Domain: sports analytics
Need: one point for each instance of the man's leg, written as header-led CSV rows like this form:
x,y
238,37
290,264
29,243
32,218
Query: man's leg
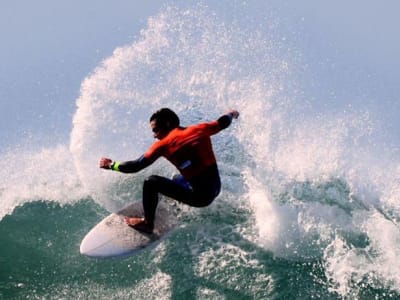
x,y
207,189
154,185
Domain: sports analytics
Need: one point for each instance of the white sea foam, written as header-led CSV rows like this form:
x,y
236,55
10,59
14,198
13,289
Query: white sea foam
x,y
156,287
30,175
236,269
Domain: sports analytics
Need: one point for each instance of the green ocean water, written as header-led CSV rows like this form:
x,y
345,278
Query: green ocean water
x,y
40,260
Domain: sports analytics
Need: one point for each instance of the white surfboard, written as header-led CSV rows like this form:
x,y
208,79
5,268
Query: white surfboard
x,y
113,237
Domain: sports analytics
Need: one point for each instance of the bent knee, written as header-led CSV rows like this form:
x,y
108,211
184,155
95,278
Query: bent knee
x,y
152,179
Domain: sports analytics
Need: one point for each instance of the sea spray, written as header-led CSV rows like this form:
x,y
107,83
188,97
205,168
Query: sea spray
x,y
187,60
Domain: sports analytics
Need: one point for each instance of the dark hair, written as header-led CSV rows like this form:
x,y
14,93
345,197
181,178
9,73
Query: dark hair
x,y
165,119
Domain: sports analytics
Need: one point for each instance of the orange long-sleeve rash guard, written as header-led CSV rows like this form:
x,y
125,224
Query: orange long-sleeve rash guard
x,y
189,149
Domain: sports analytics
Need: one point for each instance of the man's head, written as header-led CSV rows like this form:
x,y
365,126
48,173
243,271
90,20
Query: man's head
x,y
163,121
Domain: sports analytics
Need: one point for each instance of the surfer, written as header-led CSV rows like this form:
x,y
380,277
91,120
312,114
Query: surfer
x,y
189,149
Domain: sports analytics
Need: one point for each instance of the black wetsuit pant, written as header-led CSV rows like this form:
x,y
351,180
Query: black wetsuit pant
x,y
200,191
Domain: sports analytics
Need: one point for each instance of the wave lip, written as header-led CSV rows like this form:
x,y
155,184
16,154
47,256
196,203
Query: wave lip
x,y
47,174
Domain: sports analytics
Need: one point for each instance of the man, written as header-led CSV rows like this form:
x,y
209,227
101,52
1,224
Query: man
x,y
189,149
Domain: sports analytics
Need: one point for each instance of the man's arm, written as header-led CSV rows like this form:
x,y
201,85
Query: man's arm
x,y
131,166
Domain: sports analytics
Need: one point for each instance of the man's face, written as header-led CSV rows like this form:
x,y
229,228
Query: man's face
x,y
157,133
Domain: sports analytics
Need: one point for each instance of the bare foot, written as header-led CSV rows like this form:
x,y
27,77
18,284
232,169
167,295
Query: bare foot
x,y
139,224
132,221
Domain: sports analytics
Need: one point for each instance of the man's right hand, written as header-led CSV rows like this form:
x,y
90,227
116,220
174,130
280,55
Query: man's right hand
x,y
234,113
105,163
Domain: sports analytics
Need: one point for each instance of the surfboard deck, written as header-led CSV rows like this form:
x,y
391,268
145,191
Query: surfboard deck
x,y
112,237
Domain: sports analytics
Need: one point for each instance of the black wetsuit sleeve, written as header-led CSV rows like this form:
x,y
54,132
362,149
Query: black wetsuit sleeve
x,y
224,121
134,166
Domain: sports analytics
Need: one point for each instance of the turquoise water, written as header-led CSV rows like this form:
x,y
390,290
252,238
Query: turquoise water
x,y
42,265
309,207
204,259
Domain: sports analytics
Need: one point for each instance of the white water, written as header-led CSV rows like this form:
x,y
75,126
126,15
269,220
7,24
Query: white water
x,y
33,175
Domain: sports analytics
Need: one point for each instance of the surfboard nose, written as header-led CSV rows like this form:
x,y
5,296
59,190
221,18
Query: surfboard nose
x,y
113,237
101,241
90,243
83,249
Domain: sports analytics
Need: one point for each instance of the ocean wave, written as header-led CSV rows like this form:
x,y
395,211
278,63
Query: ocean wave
x,y
308,199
